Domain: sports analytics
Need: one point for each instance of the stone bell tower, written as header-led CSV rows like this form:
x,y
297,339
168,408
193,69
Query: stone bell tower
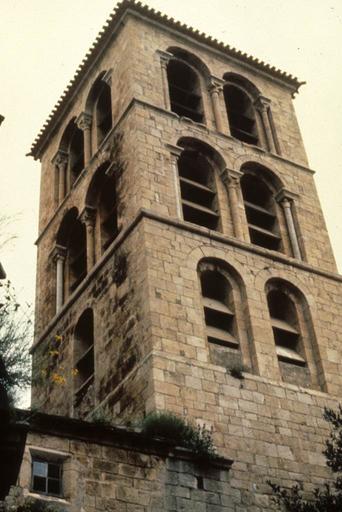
x,y
183,258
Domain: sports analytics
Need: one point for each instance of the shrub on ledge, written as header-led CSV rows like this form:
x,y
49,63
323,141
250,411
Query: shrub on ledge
x,y
180,432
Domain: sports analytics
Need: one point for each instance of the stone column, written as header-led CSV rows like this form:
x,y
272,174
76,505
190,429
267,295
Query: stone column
x,y
84,122
60,160
262,104
165,58
59,255
231,179
88,217
285,199
215,89
176,151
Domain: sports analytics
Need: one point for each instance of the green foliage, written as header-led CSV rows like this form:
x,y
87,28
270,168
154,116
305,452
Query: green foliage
x,y
180,432
37,506
15,340
329,498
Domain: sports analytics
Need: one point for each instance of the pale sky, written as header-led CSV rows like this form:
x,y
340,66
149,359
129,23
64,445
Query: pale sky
x,y
42,43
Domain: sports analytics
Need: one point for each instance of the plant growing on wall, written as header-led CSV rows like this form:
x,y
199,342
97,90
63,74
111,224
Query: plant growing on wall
x,y
180,432
329,498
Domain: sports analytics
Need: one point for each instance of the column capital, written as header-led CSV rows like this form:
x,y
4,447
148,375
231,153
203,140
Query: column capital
x,y
215,84
176,151
88,216
58,253
231,176
165,57
60,159
84,121
262,103
285,195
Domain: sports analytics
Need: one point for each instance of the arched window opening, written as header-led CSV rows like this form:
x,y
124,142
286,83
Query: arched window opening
x,y
76,154
198,189
102,196
77,255
103,113
218,307
241,114
108,212
285,327
184,90
84,365
260,210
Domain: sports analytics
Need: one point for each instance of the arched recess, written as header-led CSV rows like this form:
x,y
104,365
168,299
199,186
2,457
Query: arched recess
x,y
294,337
72,145
265,218
72,237
225,313
240,96
199,167
99,107
102,196
84,364
184,74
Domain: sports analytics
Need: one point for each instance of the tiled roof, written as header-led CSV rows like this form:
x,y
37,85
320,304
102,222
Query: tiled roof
x,y
106,33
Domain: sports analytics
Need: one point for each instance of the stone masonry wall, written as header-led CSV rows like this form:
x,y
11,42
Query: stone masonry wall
x,y
103,476
116,293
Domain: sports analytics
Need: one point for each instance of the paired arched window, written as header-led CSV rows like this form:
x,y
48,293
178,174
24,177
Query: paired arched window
x,y
102,196
72,149
218,305
285,326
241,114
99,108
103,112
293,334
224,313
72,237
84,363
197,171
261,209
185,86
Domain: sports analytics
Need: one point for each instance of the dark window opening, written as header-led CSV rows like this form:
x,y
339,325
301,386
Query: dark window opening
x,y
218,309
108,212
77,255
200,482
84,355
285,327
76,154
184,88
241,115
103,113
47,477
260,213
198,190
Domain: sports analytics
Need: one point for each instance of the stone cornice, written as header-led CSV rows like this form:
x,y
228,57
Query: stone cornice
x,y
191,228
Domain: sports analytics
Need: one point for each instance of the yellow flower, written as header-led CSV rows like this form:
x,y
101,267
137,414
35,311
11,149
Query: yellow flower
x,y
53,353
58,379
74,372
58,338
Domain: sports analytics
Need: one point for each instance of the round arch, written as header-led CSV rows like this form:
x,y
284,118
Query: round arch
x,y
193,60
65,227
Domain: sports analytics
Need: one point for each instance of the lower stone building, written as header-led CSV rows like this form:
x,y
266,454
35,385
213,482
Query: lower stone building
x,y
72,465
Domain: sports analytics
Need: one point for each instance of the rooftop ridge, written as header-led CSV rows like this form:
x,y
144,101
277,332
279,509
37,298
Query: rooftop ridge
x,y
105,32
